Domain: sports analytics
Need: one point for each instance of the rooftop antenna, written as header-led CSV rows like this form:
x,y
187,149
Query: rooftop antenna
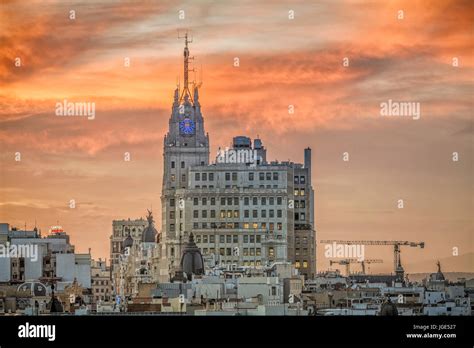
x,y
186,91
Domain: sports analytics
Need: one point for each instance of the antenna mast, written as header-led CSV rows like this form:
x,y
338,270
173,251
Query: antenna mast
x,y
186,68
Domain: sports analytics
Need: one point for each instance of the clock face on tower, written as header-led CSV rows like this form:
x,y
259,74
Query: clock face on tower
x,y
186,126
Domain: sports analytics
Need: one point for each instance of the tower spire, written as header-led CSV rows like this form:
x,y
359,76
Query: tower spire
x,y
186,91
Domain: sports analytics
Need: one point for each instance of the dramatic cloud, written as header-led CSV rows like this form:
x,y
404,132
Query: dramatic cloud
x,y
426,57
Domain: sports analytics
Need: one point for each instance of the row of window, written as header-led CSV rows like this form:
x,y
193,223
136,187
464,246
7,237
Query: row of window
x,y
235,201
233,176
236,214
230,252
299,251
299,192
298,264
246,238
233,225
300,179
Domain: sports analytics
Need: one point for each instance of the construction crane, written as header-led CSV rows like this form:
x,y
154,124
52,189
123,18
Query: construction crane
x,y
396,248
347,263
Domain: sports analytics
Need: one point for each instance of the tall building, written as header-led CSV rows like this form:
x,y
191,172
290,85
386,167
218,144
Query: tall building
x,y
241,209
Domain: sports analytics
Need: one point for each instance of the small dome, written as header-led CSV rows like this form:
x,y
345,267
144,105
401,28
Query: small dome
x,y
191,261
150,232
33,288
388,309
128,242
438,275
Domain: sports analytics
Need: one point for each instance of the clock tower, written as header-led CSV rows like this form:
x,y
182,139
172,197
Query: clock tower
x,y
185,145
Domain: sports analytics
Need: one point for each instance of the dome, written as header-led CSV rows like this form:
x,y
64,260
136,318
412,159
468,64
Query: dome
x,y
438,275
33,288
150,232
388,309
191,261
128,242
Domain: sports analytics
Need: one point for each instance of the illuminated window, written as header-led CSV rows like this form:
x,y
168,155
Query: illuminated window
x,y
246,225
297,264
305,264
255,225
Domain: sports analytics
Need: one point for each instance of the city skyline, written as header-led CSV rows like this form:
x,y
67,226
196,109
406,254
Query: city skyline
x,y
336,110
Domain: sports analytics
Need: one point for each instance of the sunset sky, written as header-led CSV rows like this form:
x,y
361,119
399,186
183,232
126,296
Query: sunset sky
x,y
282,62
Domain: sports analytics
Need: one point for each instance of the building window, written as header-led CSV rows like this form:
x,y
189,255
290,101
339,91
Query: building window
x,y
255,213
234,176
297,216
279,213
263,201
261,176
182,164
195,201
172,202
297,179
297,192
197,176
246,225
227,176
302,192
251,175
254,201
271,213
204,238
271,252
221,238
228,251
263,213
172,228
213,201
204,201
302,181
204,176
172,164
246,201
297,264
229,200
275,176
222,200
213,213
279,226
183,177
279,201
271,201
246,213
302,204
254,225
195,225
172,214
235,238
204,214
236,213
173,177
305,264
211,176
274,290
246,238
302,216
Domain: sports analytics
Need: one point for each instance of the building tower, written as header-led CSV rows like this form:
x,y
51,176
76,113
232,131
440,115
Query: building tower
x,y
185,145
